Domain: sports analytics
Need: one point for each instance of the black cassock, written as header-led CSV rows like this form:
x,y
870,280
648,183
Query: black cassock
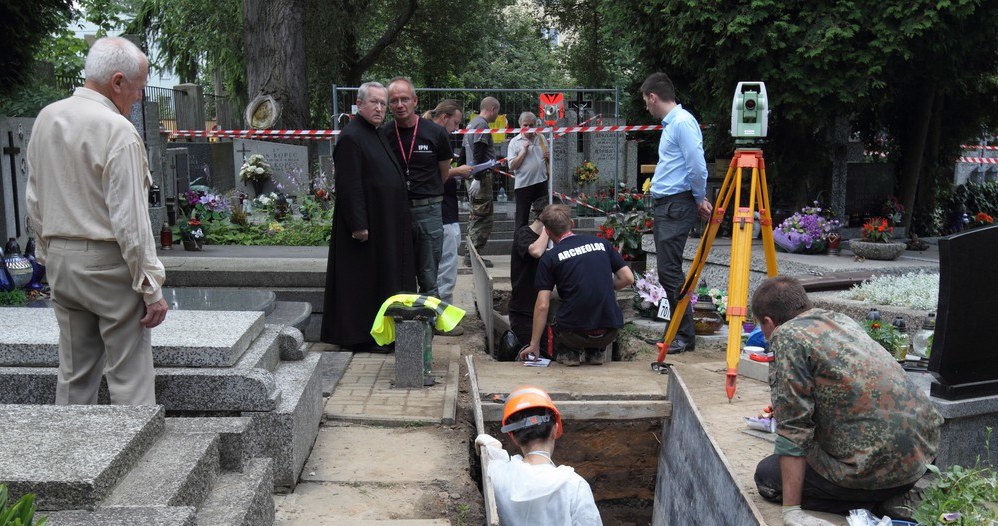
x,y
370,194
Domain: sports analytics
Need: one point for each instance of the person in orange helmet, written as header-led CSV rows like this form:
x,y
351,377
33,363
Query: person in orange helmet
x,y
529,487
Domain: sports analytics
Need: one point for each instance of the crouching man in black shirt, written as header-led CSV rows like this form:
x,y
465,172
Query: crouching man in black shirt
x,y
587,271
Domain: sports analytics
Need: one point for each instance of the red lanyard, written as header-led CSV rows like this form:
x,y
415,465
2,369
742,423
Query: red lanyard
x,y
412,144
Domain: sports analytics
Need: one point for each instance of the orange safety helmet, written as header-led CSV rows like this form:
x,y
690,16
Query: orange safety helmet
x,y
528,397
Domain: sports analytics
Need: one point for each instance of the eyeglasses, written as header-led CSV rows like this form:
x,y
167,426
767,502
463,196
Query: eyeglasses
x,y
402,100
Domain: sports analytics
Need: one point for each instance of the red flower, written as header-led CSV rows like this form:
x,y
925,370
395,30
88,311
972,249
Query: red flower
x,y
875,325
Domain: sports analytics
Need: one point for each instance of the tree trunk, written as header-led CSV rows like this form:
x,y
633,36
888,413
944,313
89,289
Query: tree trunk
x,y
913,149
840,166
274,41
925,199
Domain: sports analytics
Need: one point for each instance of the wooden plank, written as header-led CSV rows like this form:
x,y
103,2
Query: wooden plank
x,y
488,491
596,410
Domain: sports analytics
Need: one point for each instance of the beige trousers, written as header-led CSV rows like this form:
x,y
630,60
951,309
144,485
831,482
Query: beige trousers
x,y
99,330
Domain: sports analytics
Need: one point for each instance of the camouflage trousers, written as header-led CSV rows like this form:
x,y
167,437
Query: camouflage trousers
x,y
480,218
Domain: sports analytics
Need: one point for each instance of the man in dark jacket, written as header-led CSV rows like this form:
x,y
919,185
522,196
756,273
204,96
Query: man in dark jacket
x,y
371,254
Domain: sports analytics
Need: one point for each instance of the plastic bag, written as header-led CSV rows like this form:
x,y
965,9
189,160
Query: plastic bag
x,y
507,347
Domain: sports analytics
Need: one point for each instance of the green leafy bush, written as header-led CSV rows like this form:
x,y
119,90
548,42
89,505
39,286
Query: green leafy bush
x,y
21,513
13,298
960,496
288,233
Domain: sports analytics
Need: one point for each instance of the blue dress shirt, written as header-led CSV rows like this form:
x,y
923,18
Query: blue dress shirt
x,y
681,164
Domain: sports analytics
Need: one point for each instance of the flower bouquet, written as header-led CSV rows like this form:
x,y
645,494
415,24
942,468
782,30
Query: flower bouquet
x,y
586,174
648,293
805,232
255,171
981,219
624,233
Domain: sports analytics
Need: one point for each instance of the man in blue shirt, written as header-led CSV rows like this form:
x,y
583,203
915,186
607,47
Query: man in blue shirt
x,y
587,271
679,187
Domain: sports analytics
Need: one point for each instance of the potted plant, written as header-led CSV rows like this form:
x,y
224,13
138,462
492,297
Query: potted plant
x,y
192,233
624,232
876,241
255,171
805,232
647,295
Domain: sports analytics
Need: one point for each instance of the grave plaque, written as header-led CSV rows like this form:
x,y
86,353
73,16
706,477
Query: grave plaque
x,y
286,161
962,358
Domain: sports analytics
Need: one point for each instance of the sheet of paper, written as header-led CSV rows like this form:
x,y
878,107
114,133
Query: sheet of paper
x,y
540,362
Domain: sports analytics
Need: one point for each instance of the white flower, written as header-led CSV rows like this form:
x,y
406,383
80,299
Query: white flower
x,y
917,290
259,170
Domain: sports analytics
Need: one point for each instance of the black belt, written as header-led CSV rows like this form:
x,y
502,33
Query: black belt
x,y
427,201
674,197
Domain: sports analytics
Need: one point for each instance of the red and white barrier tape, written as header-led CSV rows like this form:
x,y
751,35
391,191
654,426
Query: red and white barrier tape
x,y
978,160
326,134
563,196
977,147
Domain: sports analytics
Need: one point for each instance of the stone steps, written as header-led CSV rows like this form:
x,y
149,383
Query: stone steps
x,y
240,499
274,383
177,470
126,465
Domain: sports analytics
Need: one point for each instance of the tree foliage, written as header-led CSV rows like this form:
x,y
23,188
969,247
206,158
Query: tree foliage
x,y
882,66
26,23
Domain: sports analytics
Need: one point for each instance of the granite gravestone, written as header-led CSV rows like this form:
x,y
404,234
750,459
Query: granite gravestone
x,y
289,163
962,359
14,135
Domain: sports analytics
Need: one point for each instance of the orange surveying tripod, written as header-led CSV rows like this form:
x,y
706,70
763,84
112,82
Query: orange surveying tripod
x,y
741,255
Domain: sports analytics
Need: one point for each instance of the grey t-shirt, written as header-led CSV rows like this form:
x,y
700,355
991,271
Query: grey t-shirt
x,y
470,139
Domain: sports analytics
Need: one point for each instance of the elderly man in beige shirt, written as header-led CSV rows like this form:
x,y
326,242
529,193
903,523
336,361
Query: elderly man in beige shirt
x,y
88,183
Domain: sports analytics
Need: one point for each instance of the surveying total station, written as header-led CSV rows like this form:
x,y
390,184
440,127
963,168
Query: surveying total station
x,y
749,124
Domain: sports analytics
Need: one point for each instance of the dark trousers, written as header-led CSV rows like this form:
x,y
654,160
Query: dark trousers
x,y
522,326
820,494
675,216
524,198
582,340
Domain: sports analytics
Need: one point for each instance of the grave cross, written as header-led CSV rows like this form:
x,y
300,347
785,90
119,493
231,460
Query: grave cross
x,y
12,151
243,151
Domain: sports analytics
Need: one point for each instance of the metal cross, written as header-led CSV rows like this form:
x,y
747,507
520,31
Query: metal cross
x,y
12,151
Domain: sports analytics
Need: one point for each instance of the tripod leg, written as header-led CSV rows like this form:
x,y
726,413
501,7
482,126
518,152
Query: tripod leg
x,y
706,241
766,218
741,258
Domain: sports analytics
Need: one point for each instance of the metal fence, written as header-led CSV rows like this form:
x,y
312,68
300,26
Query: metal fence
x,y
600,103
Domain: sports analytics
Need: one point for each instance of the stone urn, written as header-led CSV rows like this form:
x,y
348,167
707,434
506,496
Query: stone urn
x,y
706,319
879,251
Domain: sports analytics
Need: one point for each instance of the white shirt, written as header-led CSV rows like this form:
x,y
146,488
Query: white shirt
x,y
533,169
88,178
542,494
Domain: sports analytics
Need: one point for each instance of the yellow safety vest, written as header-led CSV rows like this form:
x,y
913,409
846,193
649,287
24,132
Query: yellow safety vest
x,y
447,315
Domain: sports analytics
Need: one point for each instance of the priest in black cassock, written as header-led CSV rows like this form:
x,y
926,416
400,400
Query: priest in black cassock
x,y
371,254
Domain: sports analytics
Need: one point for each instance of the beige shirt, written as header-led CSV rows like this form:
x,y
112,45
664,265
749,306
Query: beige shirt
x,y
88,178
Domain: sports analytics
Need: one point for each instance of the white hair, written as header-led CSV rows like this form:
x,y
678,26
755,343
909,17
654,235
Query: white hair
x,y
110,55
527,115
365,87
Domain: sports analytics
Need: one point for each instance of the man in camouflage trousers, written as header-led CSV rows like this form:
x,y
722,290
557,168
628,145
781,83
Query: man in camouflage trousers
x,y
478,149
853,431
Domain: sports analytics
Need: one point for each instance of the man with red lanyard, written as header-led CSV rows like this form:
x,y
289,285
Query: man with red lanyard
x,y
423,149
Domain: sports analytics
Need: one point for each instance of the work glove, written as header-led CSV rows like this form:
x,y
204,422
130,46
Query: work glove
x,y
474,188
794,516
485,439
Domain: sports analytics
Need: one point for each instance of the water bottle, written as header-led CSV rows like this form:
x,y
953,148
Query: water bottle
x,y
502,195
